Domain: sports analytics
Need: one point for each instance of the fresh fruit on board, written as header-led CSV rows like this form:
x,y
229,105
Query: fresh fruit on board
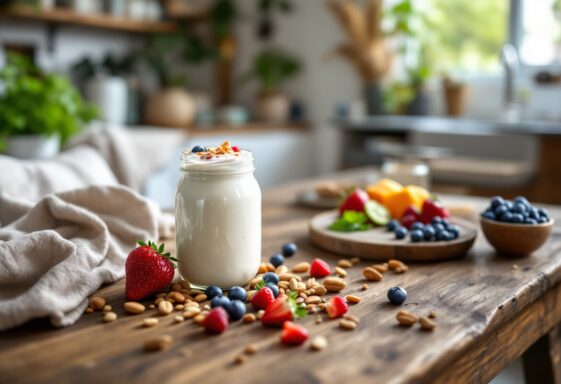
x,y
410,195
432,209
383,189
282,309
351,221
148,269
216,321
517,211
439,229
377,213
355,201
293,334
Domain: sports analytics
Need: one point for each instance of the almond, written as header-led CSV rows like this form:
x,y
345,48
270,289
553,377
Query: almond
x,y
165,308
340,272
301,267
158,344
347,324
109,317
352,299
355,260
200,298
382,268
344,263
97,302
406,318
133,307
150,322
177,297
334,284
191,312
313,300
371,274
427,324
318,343
248,318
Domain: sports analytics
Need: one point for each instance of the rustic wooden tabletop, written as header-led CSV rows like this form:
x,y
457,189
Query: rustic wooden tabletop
x,y
490,310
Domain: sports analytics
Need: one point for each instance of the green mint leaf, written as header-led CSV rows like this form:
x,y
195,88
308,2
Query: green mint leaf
x,y
260,285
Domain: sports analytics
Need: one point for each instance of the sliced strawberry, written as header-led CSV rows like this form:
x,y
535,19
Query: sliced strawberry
x,y
216,321
411,210
408,220
235,148
355,201
293,334
283,309
337,307
263,298
319,268
433,209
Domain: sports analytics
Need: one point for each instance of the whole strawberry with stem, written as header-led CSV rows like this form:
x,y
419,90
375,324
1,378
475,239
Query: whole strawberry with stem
x,y
148,270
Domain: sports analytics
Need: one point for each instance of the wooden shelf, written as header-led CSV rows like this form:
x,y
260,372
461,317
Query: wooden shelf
x,y
101,21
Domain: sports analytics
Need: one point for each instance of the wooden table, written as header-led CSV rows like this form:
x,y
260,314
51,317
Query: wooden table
x,y
490,310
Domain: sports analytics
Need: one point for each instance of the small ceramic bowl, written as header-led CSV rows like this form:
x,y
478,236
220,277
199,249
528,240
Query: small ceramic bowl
x,y
515,239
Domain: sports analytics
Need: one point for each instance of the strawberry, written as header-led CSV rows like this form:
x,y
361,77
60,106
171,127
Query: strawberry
x,y
410,215
148,270
284,308
263,298
293,334
354,202
337,307
216,321
235,148
433,209
319,268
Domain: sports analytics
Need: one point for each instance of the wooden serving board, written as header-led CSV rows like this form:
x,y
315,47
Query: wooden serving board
x,y
379,244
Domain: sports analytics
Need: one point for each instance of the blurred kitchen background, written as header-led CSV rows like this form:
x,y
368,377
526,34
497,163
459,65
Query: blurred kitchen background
x,y
460,95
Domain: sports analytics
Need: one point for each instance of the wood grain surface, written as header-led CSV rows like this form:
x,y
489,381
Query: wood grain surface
x,y
489,310
380,244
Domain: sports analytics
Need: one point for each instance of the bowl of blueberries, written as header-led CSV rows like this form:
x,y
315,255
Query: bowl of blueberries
x,y
515,227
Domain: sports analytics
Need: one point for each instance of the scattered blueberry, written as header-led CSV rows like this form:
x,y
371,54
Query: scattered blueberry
x,y
417,225
271,277
220,301
392,225
277,260
400,233
416,235
237,293
274,288
397,295
236,309
289,249
212,291
428,232
197,149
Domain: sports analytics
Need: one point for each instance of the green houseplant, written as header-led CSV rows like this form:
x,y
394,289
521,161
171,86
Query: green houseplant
x,y
38,111
271,68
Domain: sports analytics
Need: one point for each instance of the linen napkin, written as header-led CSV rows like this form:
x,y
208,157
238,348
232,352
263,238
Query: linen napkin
x,y
56,253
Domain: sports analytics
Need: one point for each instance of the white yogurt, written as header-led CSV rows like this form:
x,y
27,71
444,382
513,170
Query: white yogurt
x,y
218,220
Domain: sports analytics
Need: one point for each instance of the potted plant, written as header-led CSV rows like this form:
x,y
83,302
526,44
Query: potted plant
x,y
38,111
272,67
418,76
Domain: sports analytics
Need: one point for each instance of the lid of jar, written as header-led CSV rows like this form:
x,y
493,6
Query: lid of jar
x,y
229,163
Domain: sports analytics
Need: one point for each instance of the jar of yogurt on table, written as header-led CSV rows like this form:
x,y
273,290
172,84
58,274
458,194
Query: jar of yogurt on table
x,y
218,217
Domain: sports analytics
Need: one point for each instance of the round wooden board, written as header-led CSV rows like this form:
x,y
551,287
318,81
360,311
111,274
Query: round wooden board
x,y
379,244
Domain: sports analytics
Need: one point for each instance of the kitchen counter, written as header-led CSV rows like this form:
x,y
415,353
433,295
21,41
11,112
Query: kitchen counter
x,y
438,124
490,310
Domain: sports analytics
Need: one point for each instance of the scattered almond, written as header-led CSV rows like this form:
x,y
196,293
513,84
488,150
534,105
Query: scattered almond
x,y
150,322
401,269
199,318
319,320
179,307
165,308
318,343
97,302
158,344
262,268
248,318
107,308
301,267
334,284
133,307
364,287
251,349
109,317
89,310
200,298
340,272
320,290
352,318
382,268
344,263
313,300
347,324
191,312
179,319
260,313
406,318
281,269
353,299
355,260
371,274
185,284
240,359
176,287
270,267
427,324
177,297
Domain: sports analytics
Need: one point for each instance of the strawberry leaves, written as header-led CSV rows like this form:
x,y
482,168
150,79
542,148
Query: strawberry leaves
x,y
159,250
298,312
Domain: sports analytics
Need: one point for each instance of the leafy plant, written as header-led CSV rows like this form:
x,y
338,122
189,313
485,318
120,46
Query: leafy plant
x,y
271,67
34,102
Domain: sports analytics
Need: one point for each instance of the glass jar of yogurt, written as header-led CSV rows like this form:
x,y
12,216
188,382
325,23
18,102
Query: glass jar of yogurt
x,y
218,217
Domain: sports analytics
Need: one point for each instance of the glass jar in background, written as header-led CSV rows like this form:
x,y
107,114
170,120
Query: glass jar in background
x,y
407,172
218,219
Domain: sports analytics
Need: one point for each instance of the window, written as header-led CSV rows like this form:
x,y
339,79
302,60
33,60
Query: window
x,y
540,32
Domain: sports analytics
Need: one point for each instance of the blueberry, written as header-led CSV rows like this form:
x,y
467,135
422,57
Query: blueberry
x,y
197,148
534,213
417,225
236,309
517,218
521,200
274,288
416,235
212,291
443,236
400,233
490,215
428,233
438,227
509,204
506,217
436,220
237,293
500,210
271,277
496,201
543,213
543,220
220,301
518,208
277,260
392,225
397,295
289,249
530,221
454,231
